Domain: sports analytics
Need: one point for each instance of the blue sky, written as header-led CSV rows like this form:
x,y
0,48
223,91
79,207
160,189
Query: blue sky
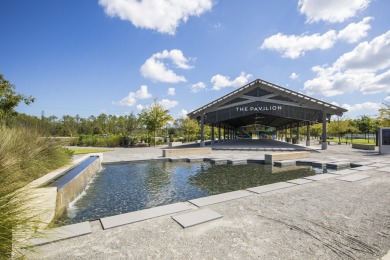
x,y
116,56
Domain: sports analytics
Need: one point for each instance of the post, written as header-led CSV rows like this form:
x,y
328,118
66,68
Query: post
x,y
219,133
285,134
290,134
202,130
212,134
324,144
308,134
298,137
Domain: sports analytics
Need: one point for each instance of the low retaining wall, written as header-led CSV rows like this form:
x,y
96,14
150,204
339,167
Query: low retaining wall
x,y
270,158
75,187
186,151
363,146
171,144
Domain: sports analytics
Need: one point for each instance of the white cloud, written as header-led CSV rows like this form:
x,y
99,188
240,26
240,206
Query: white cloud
x,y
167,104
366,68
362,106
132,97
163,16
182,113
333,11
294,76
140,107
195,88
220,81
355,31
294,46
171,91
156,70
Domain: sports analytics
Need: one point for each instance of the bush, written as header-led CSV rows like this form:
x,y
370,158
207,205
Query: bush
x,y
24,157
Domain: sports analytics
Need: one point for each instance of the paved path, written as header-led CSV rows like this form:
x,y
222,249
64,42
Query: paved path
x,y
327,219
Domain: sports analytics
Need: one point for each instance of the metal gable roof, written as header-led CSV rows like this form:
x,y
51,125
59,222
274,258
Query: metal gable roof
x,y
270,87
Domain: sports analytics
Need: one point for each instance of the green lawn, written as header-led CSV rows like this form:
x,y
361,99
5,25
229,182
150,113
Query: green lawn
x,y
355,141
87,150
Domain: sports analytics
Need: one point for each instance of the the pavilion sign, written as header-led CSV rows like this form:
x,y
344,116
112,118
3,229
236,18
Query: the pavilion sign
x,y
258,108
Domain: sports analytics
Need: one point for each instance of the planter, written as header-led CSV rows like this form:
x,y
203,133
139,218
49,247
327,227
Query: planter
x,y
364,146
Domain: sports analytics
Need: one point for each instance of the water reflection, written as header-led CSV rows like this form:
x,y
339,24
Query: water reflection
x,y
122,188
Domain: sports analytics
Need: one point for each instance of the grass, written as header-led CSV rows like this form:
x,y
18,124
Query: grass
x,y
87,150
354,141
24,157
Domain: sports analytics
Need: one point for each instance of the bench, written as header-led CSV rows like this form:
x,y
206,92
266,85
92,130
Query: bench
x,y
172,152
171,144
270,158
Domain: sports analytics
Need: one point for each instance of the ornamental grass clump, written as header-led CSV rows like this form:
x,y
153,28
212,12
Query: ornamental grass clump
x,y
24,157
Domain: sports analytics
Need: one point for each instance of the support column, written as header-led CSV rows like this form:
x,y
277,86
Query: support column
x,y
291,133
212,134
202,130
219,133
298,137
285,134
324,144
308,134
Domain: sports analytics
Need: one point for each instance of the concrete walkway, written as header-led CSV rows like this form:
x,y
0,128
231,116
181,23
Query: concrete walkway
x,y
326,219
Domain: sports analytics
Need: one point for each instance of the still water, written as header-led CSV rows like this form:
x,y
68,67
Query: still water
x,y
122,188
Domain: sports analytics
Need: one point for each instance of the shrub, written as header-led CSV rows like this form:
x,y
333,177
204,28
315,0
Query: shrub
x,y
24,157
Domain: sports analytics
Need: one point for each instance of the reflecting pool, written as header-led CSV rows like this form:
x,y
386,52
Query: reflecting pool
x,y
121,188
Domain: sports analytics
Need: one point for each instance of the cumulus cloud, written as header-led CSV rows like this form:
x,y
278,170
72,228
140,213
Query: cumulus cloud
x,y
219,81
171,91
195,88
362,106
355,31
139,107
366,68
132,97
163,16
294,76
334,11
168,104
294,46
182,113
155,69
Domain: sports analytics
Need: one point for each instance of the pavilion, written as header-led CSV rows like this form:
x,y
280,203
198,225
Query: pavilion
x,y
261,103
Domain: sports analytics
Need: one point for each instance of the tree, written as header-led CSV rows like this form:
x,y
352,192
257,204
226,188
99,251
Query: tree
x,y
9,99
365,125
154,118
384,114
189,127
338,127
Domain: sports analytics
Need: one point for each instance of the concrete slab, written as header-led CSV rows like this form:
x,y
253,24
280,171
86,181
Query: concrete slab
x,y
197,217
237,161
319,177
353,177
300,181
177,159
365,168
380,165
56,234
383,169
220,198
271,187
259,161
218,161
136,216
363,163
346,171
195,159
319,164
304,162
285,163
338,165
